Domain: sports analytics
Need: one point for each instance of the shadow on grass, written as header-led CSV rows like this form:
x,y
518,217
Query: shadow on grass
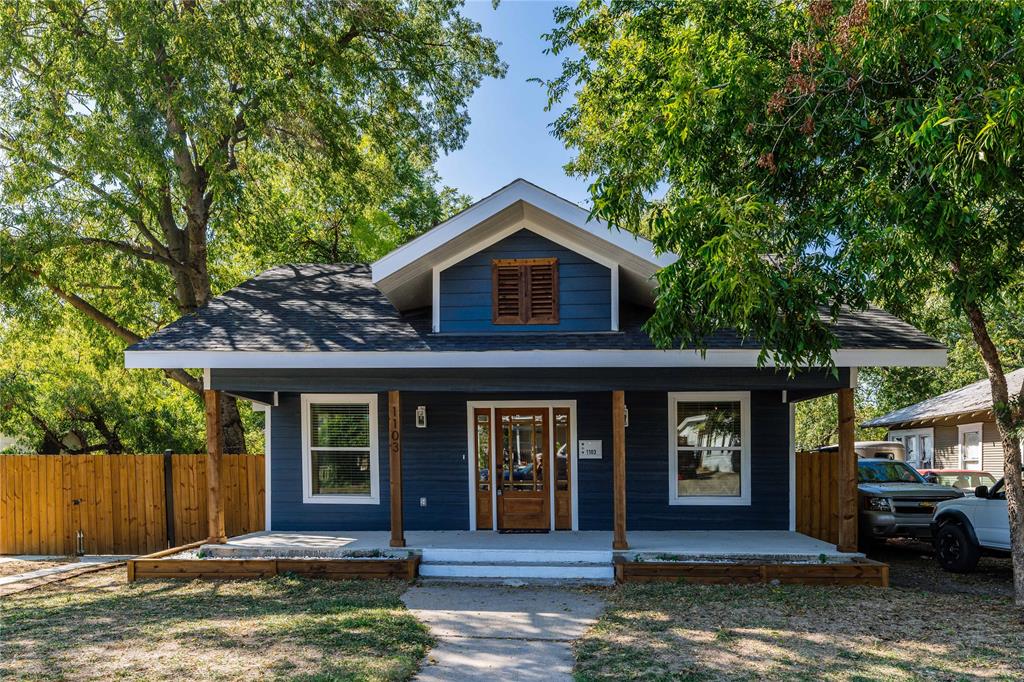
x,y
692,632
289,626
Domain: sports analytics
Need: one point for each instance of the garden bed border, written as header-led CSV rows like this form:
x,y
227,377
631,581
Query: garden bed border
x,y
158,566
858,571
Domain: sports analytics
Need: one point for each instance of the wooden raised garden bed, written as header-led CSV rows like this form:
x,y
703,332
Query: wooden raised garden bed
x,y
158,565
853,572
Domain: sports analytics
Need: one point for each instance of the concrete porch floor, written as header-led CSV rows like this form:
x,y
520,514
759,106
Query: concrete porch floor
x,y
721,545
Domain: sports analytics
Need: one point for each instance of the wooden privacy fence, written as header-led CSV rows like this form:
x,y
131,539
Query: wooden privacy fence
x,y
120,502
817,495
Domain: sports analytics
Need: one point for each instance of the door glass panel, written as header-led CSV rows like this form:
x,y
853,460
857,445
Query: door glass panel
x,y
562,455
483,450
522,452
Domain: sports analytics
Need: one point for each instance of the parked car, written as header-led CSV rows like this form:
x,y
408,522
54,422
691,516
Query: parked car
x,y
968,527
896,501
874,449
964,479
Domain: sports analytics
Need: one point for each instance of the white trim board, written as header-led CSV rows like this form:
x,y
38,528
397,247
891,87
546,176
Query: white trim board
x,y
508,359
267,411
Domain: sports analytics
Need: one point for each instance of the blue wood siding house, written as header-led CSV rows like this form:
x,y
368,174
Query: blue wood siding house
x,y
500,361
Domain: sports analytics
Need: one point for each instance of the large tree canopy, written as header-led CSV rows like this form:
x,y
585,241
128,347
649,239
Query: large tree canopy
x,y
804,156
157,152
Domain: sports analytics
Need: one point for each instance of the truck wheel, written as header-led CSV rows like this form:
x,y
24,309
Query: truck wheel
x,y
955,550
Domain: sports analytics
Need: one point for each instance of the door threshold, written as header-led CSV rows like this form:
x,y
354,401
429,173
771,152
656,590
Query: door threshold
x,y
522,531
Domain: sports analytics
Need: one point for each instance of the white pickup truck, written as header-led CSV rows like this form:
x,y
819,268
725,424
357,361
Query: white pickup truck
x,y
966,527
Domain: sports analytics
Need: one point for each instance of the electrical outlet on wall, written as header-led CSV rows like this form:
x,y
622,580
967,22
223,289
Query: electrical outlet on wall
x,y
423,502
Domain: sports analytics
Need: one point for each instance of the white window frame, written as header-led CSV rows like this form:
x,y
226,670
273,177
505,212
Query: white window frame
x,y
900,436
976,427
369,399
743,397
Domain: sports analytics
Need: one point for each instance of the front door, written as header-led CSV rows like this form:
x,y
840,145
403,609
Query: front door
x,y
522,468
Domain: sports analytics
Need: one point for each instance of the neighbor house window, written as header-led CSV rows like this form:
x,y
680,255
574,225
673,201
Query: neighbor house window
x,y
709,448
339,449
525,291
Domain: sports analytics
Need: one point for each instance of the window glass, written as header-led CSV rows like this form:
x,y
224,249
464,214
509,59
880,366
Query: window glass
x,y
483,449
562,458
886,471
708,449
340,448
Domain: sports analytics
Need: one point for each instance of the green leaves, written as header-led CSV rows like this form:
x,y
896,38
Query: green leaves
x,y
808,157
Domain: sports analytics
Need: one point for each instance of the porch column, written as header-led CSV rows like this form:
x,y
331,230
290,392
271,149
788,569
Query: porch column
x,y
847,474
395,468
214,452
619,468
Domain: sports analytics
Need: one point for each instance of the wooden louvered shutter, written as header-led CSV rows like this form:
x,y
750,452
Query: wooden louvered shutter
x,y
525,291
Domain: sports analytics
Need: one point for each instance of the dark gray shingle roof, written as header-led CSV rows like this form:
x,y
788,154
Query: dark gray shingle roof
x,y
338,308
971,398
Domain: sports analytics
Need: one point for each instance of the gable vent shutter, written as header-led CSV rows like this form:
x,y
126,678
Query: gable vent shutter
x,y
542,297
508,293
525,291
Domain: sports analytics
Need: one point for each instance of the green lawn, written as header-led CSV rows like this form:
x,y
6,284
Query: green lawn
x,y
691,632
98,628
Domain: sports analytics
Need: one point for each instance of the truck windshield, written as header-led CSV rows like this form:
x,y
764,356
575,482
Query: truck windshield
x,y
886,471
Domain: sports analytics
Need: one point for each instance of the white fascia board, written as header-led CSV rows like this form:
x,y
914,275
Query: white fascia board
x,y
520,190
507,359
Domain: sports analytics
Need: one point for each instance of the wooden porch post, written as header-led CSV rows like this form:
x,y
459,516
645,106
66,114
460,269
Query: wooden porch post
x,y
395,467
847,474
619,468
214,452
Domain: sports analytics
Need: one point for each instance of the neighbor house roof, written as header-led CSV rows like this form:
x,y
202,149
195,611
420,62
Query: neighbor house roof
x,y
334,315
973,398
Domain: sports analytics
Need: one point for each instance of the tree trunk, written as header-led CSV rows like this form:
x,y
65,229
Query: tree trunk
x,y
1009,421
231,425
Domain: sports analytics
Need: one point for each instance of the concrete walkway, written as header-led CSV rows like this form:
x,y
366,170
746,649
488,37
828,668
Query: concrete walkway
x,y
497,632
21,582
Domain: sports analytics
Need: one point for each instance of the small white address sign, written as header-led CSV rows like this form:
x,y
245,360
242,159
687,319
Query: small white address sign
x,y
590,449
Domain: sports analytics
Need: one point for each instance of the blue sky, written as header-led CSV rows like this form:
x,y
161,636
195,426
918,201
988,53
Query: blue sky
x,y
509,136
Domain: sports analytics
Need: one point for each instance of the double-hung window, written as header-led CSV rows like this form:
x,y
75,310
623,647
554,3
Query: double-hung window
x,y
340,455
709,448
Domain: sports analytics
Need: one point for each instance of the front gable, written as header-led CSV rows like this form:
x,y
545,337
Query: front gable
x,y
410,276
582,288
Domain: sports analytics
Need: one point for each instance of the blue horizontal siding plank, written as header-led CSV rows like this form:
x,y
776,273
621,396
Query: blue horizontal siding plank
x,y
584,288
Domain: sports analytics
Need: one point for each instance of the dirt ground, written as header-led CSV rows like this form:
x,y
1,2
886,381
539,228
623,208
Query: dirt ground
x,y
929,625
912,565
19,566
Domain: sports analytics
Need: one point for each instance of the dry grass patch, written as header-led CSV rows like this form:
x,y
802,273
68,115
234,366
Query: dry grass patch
x,y
697,632
99,628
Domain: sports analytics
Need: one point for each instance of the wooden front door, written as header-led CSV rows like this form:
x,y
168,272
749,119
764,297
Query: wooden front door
x,y
522,468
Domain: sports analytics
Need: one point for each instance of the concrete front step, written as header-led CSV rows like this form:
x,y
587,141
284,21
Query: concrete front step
x,y
515,556
505,570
